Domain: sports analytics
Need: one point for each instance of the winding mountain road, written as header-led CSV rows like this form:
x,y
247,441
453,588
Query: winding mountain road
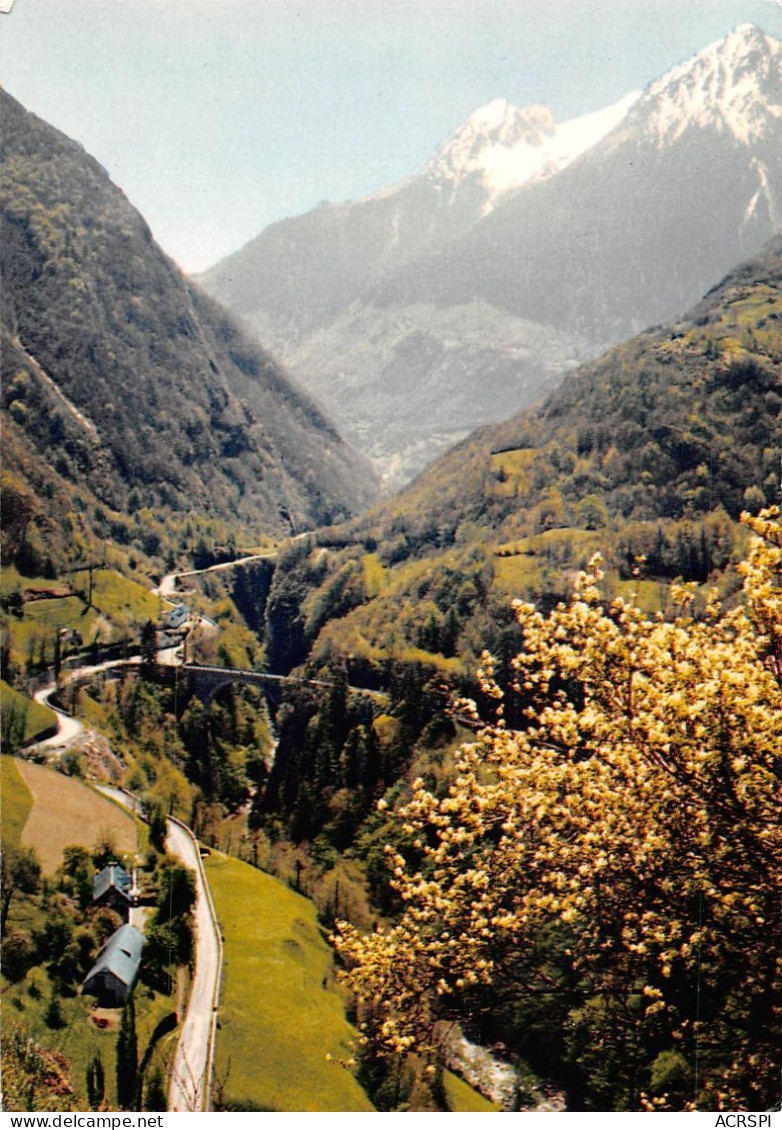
x,y
69,728
167,586
191,1077
190,1088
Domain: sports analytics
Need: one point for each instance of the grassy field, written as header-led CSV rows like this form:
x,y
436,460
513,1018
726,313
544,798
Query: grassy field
x,y
36,717
122,599
511,467
16,800
66,812
650,596
462,1099
119,605
374,574
279,1017
517,574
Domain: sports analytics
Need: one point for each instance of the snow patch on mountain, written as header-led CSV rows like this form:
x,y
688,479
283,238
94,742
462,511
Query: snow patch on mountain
x,y
766,194
733,85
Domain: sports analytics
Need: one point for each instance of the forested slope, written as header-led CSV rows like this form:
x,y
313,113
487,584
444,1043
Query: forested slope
x,y
680,420
609,830
126,380
647,456
651,452
595,886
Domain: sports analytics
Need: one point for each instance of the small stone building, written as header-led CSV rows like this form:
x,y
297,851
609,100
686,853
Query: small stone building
x,y
114,975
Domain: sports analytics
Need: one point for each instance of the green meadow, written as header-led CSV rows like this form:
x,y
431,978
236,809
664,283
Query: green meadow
x,y
283,1041
462,1099
16,801
283,1035
119,606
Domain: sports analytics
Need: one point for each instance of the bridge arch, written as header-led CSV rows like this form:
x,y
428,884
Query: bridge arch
x,y
206,682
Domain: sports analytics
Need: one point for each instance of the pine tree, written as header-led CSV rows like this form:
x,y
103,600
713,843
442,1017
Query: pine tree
x,y
53,1017
157,828
96,1082
148,649
155,1093
127,1058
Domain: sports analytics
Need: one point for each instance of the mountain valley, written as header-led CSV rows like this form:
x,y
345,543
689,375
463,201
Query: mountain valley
x,y
523,818
653,450
511,257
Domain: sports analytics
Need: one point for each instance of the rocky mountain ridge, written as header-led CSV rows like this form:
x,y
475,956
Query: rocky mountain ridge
x,y
505,147
452,300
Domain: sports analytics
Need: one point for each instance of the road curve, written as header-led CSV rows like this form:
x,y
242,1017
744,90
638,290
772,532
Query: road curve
x,y
69,729
190,1088
167,586
122,796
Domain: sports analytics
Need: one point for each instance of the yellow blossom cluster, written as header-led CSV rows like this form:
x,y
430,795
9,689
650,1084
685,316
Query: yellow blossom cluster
x,y
636,812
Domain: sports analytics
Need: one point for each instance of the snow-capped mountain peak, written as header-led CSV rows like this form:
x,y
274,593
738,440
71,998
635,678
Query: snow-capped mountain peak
x,y
505,147
499,118
734,84
498,124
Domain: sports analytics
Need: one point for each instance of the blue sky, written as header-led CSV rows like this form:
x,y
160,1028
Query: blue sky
x,y
218,117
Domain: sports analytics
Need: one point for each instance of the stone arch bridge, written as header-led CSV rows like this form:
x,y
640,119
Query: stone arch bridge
x,y
206,682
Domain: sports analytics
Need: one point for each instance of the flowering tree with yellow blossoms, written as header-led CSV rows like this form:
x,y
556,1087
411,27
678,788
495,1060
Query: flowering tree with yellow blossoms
x,y
634,820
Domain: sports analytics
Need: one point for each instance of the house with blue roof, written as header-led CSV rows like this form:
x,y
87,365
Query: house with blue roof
x,y
114,974
112,887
